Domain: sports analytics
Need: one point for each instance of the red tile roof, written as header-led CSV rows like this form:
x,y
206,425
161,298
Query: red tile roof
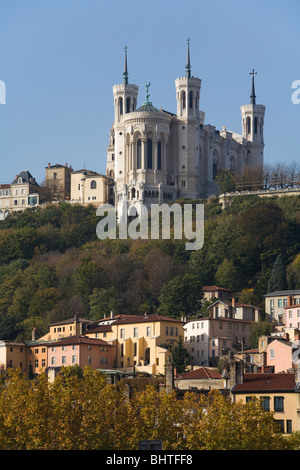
x,y
145,318
212,288
201,373
79,340
284,382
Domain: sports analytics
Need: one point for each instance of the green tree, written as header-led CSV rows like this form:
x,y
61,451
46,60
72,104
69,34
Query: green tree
x,y
278,278
180,296
225,181
179,355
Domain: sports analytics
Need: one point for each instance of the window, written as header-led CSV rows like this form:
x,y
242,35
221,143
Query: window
x,y
159,155
288,426
121,106
167,330
148,331
171,331
278,404
93,184
63,360
128,105
290,314
183,100
43,362
135,332
139,154
135,349
191,100
281,424
149,154
122,333
272,354
53,361
74,360
74,347
248,124
183,183
279,302
255,125
265,402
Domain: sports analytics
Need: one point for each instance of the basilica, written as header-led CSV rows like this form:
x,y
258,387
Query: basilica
x,y
155,156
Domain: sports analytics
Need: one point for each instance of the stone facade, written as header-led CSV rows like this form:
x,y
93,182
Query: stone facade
x,y
156,156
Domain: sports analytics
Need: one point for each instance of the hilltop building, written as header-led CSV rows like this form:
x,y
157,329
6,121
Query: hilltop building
x,y
157,156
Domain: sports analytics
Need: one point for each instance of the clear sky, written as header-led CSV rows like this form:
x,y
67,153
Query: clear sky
x,y
59,60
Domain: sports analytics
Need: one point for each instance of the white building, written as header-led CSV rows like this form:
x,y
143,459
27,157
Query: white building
x,y
22,193
158,156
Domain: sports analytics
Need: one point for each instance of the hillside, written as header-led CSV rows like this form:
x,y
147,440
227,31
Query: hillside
x,y
52,265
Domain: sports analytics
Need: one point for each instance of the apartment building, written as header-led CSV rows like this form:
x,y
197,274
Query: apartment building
x,y
276,302
227,328
278,393
140,340
81,350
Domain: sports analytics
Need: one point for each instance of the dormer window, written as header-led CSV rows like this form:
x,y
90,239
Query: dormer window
x,y
20,181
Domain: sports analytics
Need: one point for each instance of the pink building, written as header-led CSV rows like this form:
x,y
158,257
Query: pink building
x,y
83,351
292,316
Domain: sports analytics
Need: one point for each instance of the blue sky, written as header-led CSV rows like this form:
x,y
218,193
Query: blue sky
x,y
60,59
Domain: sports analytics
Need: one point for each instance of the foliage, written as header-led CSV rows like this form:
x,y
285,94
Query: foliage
x,y
84,412
179,355
52,265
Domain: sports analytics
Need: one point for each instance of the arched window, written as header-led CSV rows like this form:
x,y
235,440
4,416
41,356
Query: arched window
x,y
128,105
255,125
93,184
149,154
121,106
139,154
133,193
191,100
232,164
215,164
159,155
183,99
248,125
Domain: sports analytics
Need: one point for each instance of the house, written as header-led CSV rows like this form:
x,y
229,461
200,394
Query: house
x,y
140,340
278,393
275,303
227,328
81,350
13,355
68,327
214,292
58,181
202,378
21,194
90,187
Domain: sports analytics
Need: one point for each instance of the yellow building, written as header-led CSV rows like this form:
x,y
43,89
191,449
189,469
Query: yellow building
x,y
89,187
140,340
279,393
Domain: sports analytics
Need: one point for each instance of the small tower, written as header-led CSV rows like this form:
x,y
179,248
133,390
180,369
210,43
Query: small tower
x,y
253,128
188,92
125,95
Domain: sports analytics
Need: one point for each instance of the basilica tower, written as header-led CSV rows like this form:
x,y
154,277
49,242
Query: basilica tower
x,y
253,129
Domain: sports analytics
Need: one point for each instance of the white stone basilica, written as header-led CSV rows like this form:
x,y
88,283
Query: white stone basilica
x,y
155,156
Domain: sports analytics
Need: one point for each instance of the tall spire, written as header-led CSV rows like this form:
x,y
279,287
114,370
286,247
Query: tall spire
x,y
188,64
125,74
253,100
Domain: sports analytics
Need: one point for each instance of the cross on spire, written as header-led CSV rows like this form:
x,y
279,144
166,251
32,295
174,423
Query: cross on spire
x,y
188,65
125,74
253,101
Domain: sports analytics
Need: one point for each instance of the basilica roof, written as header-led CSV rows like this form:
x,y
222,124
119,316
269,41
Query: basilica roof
x,y
147,107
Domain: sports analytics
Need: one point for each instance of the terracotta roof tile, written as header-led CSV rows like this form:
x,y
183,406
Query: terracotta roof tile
x,y
266,383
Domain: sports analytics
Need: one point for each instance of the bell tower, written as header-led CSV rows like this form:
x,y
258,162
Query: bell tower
x,y
188,92
253,116
125,95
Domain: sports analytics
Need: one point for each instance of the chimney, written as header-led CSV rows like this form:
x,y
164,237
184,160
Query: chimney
x,y
169,377
112,314
33,334
49,165
290,301
233,301
286,336
297,372
236,373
